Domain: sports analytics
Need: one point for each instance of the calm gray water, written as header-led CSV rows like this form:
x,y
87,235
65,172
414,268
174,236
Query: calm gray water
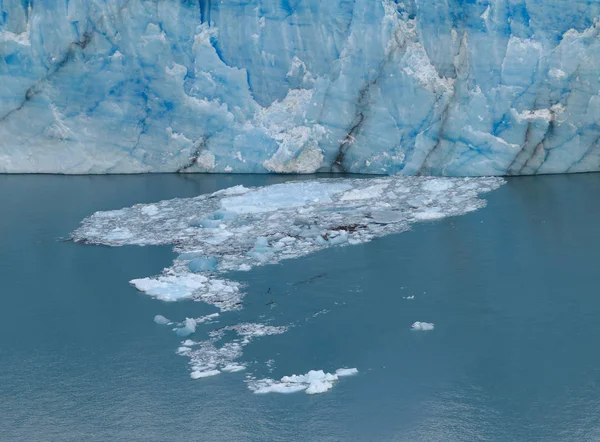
x,y
512,289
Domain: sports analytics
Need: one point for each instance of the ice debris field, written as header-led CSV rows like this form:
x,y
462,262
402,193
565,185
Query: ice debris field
x,y
239,228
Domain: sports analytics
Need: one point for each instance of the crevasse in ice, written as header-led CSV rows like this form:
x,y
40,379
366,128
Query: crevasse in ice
x,y
442,87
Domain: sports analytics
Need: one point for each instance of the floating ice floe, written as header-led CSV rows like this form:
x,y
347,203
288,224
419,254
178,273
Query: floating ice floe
x,y
423,326
210,357
161,320
313,382
188,327
239,228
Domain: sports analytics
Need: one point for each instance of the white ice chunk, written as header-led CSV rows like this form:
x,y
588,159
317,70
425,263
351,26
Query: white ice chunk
x,y
189,327
346,371
161,320
429,215
317,387
422,326
269,386
437,185
313,382
232,368
150,210
235,190
170,287
387,216
204,374
283,196
363,194
207,318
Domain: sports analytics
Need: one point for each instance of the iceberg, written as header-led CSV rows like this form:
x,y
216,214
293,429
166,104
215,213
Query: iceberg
x,y
487,87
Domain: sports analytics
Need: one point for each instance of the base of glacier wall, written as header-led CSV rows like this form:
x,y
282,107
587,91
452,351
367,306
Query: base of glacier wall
x,y
453,88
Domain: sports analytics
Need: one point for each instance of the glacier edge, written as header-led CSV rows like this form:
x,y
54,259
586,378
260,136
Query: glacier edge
x,y
456,88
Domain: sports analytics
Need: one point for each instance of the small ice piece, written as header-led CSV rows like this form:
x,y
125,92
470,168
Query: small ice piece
x,y
341,238
214,221
118,234
321,241
270,386
224,215
346,371
198,374
437,185
188,255
317,387
284,196
170,287
232,368
235,190
198,265
387,216
150,210
371,192
410,297
418,201
189,327
422,326
313,382
429,215
206,223
261,251
207,318
161,320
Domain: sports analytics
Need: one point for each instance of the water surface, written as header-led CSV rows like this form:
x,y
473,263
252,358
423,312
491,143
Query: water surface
x,y
512,289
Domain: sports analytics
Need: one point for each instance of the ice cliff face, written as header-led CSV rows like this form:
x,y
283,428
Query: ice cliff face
x,y
444,87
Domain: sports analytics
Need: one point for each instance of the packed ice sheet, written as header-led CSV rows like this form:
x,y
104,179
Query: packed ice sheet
x,y
239,228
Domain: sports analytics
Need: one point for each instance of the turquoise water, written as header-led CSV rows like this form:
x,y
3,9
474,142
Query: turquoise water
x,y
512,289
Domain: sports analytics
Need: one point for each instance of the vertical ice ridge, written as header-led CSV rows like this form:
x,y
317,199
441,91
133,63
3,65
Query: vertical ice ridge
x,y
431,88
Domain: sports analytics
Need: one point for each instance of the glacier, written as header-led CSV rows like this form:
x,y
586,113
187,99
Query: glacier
x,y
413,87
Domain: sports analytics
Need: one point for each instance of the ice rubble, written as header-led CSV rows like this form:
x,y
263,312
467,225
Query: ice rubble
x,y
313,382
256,226
207,359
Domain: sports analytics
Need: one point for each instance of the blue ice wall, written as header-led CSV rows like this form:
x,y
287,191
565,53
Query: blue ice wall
x,y
444,87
